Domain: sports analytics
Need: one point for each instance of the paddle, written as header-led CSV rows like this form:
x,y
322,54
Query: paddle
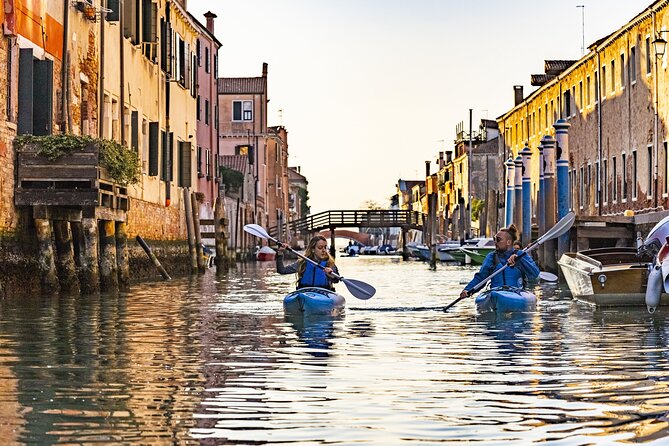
x,y
357,288
560,228
548,277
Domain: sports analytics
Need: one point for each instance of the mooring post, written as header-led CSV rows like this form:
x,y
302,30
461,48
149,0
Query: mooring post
x,y
196,231
87,256
46,260
550,247
405,250
510,178
518,193
122,260
190,231
564,197
332,242
527,197
108,264
541,202
220,229
153,258
67,271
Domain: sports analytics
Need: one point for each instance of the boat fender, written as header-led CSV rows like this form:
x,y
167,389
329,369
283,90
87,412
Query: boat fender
x,y
665,274
654,288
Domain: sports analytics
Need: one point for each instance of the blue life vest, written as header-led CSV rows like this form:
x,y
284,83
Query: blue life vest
x,y
314,276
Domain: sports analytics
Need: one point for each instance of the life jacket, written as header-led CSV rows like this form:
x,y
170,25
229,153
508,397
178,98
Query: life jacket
x,y
314,276
522,274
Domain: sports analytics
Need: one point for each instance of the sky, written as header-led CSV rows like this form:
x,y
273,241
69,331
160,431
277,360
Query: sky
x,y
369,90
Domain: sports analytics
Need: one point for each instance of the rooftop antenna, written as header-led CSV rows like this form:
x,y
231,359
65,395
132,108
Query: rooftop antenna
x,y
582,28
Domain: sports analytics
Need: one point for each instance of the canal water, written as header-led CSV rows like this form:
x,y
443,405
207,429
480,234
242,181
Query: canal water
x,y
212,360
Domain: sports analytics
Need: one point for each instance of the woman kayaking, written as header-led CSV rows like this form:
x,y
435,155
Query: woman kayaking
x,y
309,275
520,268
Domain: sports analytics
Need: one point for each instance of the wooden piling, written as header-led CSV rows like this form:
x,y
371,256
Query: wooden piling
x,y
153,258
190,231
220,228
122,258
196,231
85,235
405,250
67,271
46,260
333,252
108,264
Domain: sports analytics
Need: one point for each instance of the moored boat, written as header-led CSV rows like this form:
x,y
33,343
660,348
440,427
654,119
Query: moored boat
x,y
482,245
477,256
505,299
265,254
609,276
314,301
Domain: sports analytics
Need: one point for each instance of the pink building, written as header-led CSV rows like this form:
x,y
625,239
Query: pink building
x,y
207,150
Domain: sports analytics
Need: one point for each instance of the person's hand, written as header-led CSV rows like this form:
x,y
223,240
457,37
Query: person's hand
x,y
328,270
281,248
464,294
512,260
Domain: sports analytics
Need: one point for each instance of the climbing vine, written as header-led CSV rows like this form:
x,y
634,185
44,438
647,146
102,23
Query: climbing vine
x,y
232,179
122,164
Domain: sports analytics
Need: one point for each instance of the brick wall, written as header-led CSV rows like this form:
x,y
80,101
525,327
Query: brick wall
x,y
156,222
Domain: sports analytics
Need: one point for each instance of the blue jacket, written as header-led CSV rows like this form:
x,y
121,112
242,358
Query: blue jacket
x,y
511,276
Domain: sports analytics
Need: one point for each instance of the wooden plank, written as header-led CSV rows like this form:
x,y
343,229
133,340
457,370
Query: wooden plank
x,y
78,158
57,173
56,197
608,232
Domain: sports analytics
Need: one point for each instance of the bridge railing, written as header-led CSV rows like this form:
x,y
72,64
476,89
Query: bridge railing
x,y
383,218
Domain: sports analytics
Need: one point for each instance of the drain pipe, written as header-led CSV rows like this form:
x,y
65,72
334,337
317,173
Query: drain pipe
x,y
101,78
64,68
121,39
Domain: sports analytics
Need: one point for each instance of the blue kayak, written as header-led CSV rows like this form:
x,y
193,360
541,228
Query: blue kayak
x,y
505,299
314,301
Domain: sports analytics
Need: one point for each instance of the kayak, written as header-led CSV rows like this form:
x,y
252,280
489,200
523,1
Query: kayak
x,y
314,301
505,299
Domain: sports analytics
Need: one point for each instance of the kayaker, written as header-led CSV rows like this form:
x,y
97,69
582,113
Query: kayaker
x,y
309,275
520,268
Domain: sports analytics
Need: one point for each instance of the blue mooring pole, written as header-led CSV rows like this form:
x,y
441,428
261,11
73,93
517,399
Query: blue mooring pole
x,y
527,197
518,195
510,166
563,189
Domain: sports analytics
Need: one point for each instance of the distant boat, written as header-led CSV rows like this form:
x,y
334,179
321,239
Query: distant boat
x,y
265,254
481,245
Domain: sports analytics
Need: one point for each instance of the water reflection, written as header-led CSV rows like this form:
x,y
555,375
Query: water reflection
x,y
213,360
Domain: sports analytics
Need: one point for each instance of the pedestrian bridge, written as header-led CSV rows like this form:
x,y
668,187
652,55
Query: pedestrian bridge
x,y
377,218
361,237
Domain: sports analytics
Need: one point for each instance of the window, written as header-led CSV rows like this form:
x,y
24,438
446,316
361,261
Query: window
x,y
198,52
634,174
603,82
614,180
580,95
546,116
207,62
207,161
588,86
632,65
605,179
623,168
199,161
567,104
581,189
598,186
8,90
649,65
242,110
206,111
153,148
649,184
613,76
197,109
596,87
622,71
539,111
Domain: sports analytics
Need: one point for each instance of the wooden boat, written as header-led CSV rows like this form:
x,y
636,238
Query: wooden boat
x,y
609,276
505,299
265,254
314,301
476,256
482,245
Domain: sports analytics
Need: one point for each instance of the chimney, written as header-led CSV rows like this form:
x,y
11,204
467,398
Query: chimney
x,y
441,160
427,169
517,94
264,69
449,156
210,16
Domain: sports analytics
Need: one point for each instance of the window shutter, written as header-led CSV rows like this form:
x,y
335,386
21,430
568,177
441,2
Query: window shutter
x,y
237,111
134,129
164,43
186,62
153,149
184,164
43,95
170,156
25,98
164,158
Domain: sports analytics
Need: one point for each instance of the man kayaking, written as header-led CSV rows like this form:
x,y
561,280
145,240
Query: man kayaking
x,y
520,267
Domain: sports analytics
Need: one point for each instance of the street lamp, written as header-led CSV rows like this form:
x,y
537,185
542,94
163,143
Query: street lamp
x,y
660,45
